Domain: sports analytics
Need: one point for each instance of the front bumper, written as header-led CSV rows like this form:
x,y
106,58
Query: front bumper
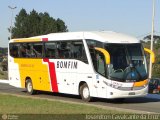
x,y
115,93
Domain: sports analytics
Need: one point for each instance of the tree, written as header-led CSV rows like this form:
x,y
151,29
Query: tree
x,y
155,37
149,37
156,49
61,25
20,28
47,24
34,23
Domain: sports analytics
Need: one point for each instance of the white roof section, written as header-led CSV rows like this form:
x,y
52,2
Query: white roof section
x,y
103,36
111,37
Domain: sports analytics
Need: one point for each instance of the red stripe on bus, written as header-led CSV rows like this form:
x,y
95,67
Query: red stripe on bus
x,y
44,39
53,76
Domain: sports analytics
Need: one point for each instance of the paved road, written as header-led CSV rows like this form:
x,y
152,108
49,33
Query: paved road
x,y
140,105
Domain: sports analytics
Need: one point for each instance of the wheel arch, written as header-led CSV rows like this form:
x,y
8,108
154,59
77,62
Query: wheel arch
x,y
80,84
27,79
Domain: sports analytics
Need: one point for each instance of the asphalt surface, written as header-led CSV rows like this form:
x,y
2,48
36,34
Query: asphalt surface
x,y
148,104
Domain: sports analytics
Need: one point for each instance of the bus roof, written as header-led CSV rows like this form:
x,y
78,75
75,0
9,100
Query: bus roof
x,y
103,36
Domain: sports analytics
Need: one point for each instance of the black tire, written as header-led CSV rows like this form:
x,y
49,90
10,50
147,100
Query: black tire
x,y
85,93
29,87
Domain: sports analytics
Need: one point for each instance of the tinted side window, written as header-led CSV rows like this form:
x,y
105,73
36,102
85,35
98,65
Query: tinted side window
x,y
97,57
78,51
26,50
66,50
63,49
37,49
51,50
31,50
13,50
100,63
93,43
72,50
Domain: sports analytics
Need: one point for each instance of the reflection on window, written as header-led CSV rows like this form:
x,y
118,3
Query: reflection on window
x,y
127,62
37,49
57,50
71,50
29,50
100,63
97,57
50,49
14,50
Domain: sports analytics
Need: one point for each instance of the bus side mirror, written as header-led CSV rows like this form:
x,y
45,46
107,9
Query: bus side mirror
x,y
152,55
105,53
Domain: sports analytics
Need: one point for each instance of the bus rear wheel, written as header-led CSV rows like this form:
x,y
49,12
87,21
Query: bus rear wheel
x,y
29,87
85,93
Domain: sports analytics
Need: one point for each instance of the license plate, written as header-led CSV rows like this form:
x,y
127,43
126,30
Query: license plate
x,y
131,93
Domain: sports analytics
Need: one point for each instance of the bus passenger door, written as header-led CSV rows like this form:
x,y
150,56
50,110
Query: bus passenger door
x,y
100,68
100,86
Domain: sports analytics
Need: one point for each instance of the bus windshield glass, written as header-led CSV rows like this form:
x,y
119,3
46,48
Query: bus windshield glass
x,y
128,62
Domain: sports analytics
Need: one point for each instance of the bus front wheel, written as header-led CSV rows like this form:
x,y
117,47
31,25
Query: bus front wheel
x,y
29,87
85,93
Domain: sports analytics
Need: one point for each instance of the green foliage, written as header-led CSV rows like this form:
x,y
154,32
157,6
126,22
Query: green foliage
x,y
156,70
154,37
61,25
21,25
3,51
156,65
3,74
34,24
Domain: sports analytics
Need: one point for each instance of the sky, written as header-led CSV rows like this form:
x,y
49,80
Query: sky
x,y
132,17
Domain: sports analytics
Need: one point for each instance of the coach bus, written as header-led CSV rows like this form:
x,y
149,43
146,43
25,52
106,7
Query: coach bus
x,y
90,64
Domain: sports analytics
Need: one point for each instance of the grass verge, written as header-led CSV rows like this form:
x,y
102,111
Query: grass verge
x,y
3,75
19,105
29,108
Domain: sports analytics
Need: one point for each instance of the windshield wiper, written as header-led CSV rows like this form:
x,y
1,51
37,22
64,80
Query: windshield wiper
x,y
116,78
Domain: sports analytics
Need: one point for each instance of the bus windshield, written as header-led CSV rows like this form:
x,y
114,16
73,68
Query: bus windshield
x,y
128,62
